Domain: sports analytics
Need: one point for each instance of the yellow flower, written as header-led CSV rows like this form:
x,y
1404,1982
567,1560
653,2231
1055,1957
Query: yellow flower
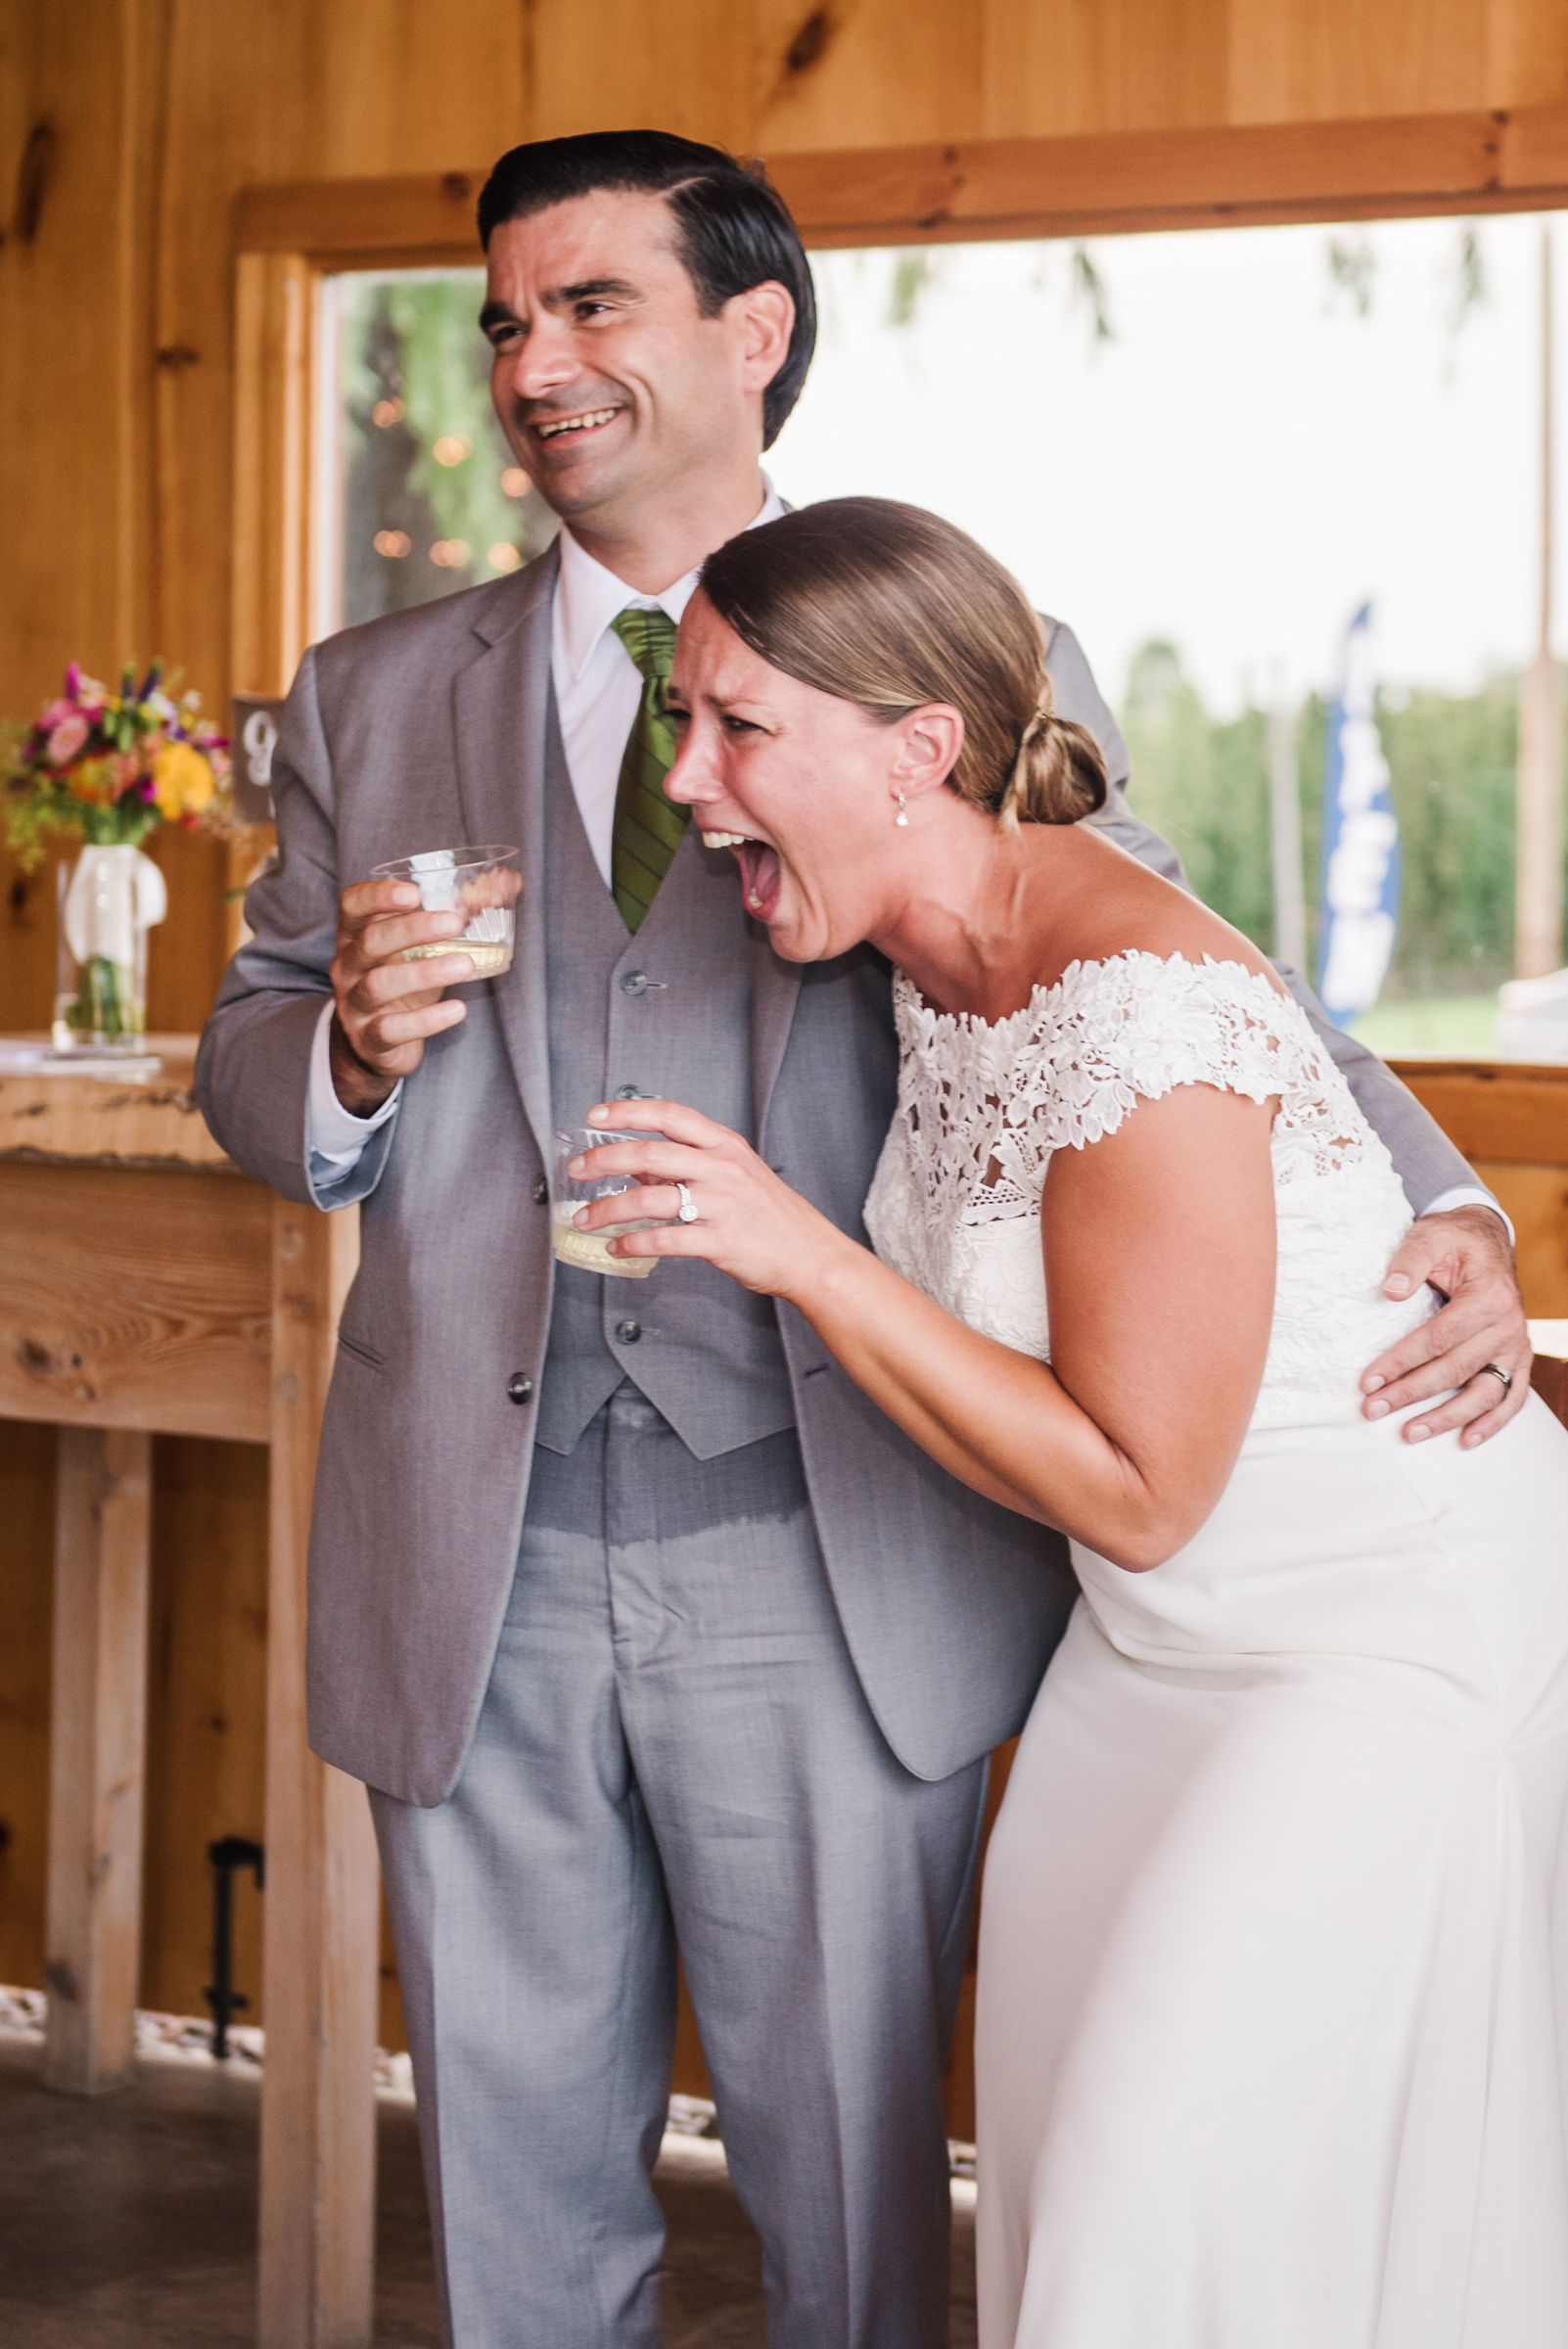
x,y
182,781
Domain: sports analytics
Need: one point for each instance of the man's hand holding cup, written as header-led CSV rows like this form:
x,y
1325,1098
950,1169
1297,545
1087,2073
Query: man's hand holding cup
x,y
386,1007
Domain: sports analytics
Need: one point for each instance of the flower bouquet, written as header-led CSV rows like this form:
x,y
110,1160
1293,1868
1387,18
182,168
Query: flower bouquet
x,y
107,768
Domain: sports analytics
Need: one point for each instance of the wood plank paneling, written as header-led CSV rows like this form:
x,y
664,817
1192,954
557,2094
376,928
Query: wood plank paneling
x,y
207,1712
190,1356
1084,66
26,1608
684,66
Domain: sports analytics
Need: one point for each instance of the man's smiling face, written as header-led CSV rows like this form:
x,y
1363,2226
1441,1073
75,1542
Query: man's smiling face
x,y
610,384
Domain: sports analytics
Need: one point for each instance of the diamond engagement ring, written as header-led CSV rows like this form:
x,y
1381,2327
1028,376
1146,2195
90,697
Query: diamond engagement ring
x,y
686,1213
1494,1370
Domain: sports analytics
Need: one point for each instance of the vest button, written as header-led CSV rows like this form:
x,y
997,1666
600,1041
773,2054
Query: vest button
x,y
519,1387
629,1332
541,1192
634,982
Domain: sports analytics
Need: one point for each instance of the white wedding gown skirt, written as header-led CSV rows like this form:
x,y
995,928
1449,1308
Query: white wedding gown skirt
x,y
1273,2032
1273,1972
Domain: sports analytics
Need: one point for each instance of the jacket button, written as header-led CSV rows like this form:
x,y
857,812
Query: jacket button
x,y
519,1387
541,1192
634,982
629,1332
628,1092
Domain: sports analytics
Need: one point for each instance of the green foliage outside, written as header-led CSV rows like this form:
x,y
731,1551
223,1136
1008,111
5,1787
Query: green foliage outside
x,y
1204,783
414,340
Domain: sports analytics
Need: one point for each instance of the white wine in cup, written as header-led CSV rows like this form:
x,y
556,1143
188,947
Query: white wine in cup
x,y
590,1250
484,884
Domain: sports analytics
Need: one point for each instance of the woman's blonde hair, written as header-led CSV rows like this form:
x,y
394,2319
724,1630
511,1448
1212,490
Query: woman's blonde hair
x,y
889,606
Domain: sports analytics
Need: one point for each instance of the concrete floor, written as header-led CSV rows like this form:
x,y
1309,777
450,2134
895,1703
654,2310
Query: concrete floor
x,y
129,2222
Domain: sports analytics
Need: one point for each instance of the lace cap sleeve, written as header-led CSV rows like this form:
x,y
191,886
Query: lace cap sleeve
x,y
1135,1027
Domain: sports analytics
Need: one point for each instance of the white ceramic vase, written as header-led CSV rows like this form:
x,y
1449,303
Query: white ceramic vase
x,y
112,899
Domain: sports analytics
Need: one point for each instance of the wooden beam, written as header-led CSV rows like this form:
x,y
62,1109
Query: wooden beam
x,y
1109,183
321,1950
97,1756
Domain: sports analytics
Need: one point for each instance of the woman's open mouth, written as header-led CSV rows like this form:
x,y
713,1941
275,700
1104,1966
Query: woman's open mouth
x,y
762,875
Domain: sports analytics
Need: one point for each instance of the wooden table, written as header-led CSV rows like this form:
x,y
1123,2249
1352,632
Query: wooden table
x,y
147,1286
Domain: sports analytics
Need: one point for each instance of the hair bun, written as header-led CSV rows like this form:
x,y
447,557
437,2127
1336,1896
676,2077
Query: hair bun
x,y
1058,776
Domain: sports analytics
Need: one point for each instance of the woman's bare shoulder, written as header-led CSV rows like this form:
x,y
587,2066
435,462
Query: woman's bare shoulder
x,y
1121,907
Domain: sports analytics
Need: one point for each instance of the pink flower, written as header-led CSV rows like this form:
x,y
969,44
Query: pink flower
x,y
67,739
56,714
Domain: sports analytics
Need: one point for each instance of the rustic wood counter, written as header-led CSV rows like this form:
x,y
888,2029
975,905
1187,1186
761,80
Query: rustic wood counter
x,y
147,1286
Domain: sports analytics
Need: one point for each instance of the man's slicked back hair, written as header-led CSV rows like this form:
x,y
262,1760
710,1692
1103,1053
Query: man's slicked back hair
x,y
733,231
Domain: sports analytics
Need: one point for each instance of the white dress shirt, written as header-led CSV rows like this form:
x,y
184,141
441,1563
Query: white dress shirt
x,y
597,688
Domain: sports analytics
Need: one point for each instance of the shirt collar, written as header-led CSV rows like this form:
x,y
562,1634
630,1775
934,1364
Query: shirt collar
x,y
589,597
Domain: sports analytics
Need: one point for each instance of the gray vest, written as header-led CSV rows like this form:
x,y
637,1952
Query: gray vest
x,y
667,1013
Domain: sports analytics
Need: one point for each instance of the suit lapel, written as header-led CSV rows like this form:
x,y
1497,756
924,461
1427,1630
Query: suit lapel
x,y
775,990
500,705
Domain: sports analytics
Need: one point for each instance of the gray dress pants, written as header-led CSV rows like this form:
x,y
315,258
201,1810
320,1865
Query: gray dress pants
x,y
674,1748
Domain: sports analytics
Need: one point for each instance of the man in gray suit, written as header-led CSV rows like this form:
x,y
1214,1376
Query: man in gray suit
x,y
642,1625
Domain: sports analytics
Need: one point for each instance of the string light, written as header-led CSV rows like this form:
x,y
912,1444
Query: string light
x,y
514,482
452,448
386,412
450,553
391,542
502,557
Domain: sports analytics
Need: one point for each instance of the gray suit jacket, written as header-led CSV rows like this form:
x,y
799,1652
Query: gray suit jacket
x,y
427,727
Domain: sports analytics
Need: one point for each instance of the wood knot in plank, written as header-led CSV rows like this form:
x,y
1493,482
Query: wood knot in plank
x,y
809,43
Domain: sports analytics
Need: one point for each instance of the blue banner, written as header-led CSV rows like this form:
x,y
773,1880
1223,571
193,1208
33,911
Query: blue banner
x,y
1359,919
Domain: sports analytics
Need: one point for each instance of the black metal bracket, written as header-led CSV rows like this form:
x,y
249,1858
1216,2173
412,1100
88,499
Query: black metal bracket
x,y
230,1853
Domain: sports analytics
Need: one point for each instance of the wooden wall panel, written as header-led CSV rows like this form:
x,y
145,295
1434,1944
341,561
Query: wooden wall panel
x,y
27,1609
852,75
399,78
684,66
1082,66
207,1711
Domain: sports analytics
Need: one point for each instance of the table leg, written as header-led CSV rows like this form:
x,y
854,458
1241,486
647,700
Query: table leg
x,y
320,1955
97,1755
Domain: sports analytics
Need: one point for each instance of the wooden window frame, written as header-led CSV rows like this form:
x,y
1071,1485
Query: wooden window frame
x,y
290,236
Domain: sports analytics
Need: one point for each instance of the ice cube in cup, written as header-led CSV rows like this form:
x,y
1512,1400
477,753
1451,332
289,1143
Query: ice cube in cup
x,y
568,1192
482,883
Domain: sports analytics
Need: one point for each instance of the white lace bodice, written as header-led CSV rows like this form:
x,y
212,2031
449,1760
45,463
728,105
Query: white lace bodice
x,y
955,1203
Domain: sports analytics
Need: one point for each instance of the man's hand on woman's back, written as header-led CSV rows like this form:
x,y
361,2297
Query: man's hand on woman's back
x,y
1464,1254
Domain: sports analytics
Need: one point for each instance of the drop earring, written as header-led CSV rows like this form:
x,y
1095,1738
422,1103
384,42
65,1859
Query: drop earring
x,y
902,816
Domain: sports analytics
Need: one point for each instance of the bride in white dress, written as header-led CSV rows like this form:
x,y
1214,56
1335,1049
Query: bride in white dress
x,y
1273,1996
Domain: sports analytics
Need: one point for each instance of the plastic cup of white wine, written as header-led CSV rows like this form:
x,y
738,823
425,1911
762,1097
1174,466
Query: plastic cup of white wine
x,y
486,883
588,1250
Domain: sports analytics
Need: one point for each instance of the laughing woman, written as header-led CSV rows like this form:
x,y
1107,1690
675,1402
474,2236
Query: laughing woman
x,y
1274,1987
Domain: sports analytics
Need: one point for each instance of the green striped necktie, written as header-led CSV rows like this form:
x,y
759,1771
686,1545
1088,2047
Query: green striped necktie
x,y
648,827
